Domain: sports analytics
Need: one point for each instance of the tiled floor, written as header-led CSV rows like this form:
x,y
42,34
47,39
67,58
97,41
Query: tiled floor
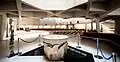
x,y
86,45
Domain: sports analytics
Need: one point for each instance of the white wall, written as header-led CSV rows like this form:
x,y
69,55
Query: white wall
x,y
80,26
29,21
38,23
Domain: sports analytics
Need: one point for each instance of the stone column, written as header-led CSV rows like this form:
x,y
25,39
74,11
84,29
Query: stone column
x,y
7,28
92,25
97,25
39,23
3,19
117,26
1,22
85,26
3,43
18,22
15,25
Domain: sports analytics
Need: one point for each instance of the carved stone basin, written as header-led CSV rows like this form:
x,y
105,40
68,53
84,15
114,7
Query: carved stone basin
x,y
55,46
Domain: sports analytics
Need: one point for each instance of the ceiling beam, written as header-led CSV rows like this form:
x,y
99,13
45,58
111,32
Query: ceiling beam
x,y
116,6
8,10
24,10
89,4
69,9
32,10
47,11
18,2
12,13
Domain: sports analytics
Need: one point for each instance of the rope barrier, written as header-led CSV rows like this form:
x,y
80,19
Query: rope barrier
x,y
99,47
102,52
29,41
72,36
89,37
110,41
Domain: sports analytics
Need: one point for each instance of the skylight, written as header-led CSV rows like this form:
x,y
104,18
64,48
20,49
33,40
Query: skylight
x,y
54,4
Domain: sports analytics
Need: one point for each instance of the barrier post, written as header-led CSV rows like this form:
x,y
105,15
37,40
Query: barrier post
x,y
19,53
39,40
78,43
98,56
114,57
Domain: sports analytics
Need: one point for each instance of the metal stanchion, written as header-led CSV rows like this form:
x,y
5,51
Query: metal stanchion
x,y
19,53
78,46
98,56
114,57
39,41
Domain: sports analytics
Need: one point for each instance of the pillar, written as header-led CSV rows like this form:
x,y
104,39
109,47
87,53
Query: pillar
x,y
7,28
18,22
97,25
15,25
51,26
3,43
85,26
117,26
39,23
1,22
92,25
3,19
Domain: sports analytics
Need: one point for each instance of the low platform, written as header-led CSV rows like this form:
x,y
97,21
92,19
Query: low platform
x,y
73,55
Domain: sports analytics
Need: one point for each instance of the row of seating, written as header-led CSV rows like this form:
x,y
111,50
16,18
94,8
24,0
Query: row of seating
x,y
24,29
74,32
